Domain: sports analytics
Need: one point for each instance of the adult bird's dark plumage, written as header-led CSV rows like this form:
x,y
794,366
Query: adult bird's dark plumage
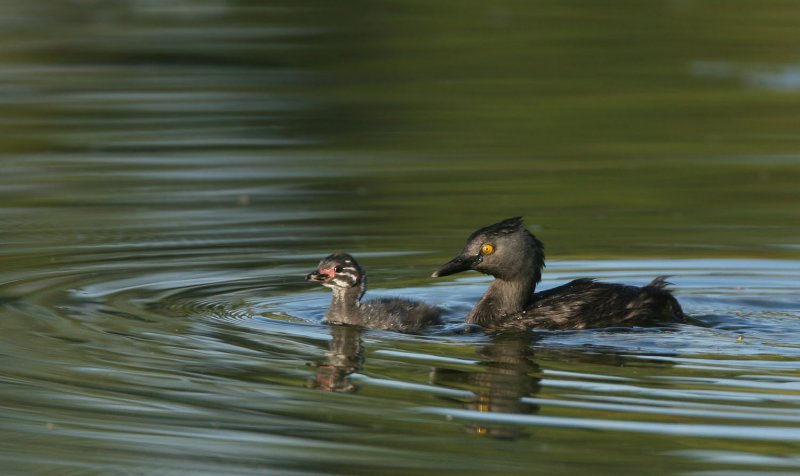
x,y
515,257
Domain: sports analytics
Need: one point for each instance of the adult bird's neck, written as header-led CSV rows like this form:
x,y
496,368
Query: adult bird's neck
x,y
505,297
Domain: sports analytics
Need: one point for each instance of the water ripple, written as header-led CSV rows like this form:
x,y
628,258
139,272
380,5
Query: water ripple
x,y
738,432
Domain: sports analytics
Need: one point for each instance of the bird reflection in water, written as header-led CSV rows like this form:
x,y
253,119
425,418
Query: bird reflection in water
x,y
507,374
345,356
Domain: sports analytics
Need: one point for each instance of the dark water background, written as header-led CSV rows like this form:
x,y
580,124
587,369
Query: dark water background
x,y
171,170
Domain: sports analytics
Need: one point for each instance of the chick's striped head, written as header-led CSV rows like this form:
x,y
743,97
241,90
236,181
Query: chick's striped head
x,y
339,270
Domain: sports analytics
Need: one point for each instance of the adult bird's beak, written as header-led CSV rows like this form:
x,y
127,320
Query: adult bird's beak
x,y
456,265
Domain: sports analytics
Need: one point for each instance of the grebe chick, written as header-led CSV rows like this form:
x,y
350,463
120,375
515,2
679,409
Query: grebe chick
x,y
347,279
515,257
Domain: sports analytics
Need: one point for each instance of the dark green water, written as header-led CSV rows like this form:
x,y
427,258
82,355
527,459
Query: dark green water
x,y
172,170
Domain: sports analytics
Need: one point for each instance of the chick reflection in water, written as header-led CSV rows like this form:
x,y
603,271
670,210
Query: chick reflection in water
x,y
506,376
345,356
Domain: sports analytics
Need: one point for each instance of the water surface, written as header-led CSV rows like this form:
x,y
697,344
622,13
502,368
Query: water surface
x,y
173,170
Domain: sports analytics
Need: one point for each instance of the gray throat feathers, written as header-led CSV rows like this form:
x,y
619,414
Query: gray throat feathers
x,y
503,298
346,304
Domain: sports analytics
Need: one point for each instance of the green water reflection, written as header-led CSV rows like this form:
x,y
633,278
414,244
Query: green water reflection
x,y
666,127
580,79
172,168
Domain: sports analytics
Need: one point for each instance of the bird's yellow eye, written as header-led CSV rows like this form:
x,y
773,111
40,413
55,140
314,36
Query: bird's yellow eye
x,y
487,249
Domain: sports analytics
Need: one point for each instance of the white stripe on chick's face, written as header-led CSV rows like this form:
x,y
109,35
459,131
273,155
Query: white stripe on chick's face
x,y
344,278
